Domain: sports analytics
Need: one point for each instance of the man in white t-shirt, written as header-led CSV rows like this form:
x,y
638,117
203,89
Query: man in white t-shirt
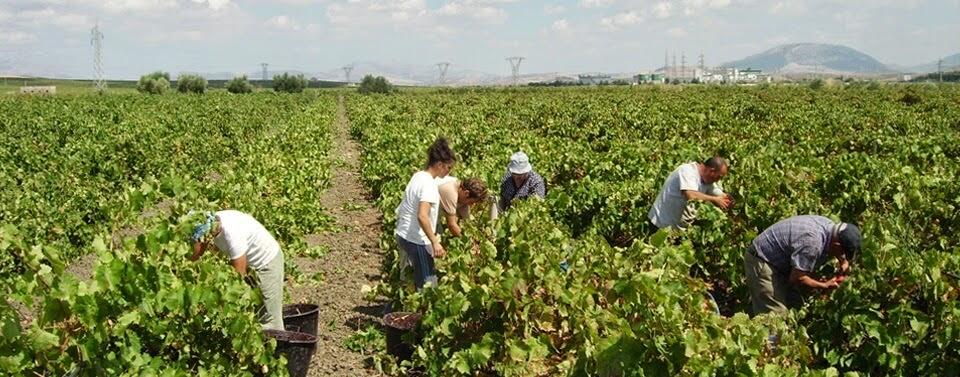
x,y
248,244
690,181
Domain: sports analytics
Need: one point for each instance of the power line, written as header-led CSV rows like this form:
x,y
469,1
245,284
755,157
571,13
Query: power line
x,y
515,68
96,39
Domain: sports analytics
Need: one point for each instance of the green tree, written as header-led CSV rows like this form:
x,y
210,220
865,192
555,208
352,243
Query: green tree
x,y
156,82
371,84
239,85
188,83
289,83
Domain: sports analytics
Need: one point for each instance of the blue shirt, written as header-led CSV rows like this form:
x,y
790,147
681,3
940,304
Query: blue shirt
x,y
799,242
509,191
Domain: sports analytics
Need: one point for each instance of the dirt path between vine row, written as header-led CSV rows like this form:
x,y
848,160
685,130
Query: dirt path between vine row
x,y
353,260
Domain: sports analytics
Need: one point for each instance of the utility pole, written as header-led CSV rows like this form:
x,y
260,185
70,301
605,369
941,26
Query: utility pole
x,y
96,39
683,66
263,74
674,65
666,64
940,68
515,68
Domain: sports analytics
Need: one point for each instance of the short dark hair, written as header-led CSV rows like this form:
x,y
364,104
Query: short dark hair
x,y
850,240
440,152
716,162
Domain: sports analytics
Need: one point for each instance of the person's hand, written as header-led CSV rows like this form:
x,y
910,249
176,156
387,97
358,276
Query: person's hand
x,y
438,250
833,283
722,201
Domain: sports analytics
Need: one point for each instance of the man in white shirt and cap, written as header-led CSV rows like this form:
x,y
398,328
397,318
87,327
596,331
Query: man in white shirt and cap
x,y
520,182
690,181
248,245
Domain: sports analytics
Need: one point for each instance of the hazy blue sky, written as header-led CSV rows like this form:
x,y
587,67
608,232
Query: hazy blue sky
x,y
52,36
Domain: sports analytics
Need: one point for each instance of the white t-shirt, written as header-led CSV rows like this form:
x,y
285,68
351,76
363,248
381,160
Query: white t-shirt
x,y
241,234
668,209
421,188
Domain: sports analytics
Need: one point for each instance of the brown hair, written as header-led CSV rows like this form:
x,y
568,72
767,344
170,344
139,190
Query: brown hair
x,y
440,152
475,187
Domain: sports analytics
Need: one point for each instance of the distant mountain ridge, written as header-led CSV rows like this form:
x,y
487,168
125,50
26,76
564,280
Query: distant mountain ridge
x,y
810,58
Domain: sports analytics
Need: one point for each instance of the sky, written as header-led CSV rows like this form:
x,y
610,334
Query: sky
x,y
52,37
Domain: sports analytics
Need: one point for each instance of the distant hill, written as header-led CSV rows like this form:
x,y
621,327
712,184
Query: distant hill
x,y
949,63
811,57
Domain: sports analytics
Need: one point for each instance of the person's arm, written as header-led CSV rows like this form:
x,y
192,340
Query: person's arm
x,y
453,224
803,278
423,218
719,201
843,266
540,188
240,265
198,249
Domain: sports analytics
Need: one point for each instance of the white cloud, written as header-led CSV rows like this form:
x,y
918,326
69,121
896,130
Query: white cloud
x,y
622,19
15,37
560,25
213,4
283,22
788,8
662,9
134,5
479,10
595,3
552,9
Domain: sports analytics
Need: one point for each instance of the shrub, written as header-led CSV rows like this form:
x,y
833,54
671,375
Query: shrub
x,y
187,83
371,84
289,83
154,83
239,85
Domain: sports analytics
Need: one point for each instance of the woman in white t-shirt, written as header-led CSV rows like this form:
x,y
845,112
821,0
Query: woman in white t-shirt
x,y
417,214
247,243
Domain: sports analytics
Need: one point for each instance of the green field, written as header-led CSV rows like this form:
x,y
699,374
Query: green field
x,y
116,176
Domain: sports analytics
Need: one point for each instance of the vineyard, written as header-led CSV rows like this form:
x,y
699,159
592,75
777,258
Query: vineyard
x,y
885,158
569,285
115,177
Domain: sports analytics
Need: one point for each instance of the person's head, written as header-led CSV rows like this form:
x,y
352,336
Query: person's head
x,y
846,241
440,158
519,167
715,168
204,230
472,190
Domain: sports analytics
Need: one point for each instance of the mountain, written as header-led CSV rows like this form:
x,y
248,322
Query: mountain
x,y
950,63
810,58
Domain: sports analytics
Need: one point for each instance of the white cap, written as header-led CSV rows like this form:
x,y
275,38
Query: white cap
x,y
519,163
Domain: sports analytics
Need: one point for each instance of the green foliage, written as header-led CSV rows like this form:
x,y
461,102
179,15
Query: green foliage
x,y
157,82
289,83
883,157
239,85
188,83
371,84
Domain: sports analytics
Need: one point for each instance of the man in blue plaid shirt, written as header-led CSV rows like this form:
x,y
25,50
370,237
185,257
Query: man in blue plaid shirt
x,y
784,257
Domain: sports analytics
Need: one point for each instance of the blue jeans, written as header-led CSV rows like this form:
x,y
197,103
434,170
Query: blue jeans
x,y
421,260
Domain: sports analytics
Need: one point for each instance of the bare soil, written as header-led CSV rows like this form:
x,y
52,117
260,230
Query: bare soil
x,y
353,261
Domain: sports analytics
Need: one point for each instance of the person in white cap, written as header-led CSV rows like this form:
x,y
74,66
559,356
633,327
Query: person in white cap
x,y
520,182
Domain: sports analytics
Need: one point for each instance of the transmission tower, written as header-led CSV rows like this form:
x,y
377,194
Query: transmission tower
x,y
263,74
940,68
443,72
515,68
703,67
674,64
96,40
683,66
666,64
346,72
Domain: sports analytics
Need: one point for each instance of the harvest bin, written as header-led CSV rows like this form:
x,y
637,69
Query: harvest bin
x,y
298,347
398,325
301,318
